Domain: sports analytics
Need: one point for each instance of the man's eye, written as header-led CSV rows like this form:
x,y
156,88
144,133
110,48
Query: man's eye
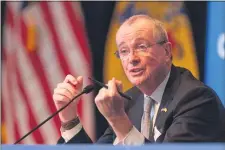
x,y
123,51
142,47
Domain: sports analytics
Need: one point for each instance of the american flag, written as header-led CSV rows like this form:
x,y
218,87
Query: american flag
x,y
42,43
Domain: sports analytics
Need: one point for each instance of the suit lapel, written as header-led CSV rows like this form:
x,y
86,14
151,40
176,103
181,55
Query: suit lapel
x,y
134,108
136,111
165,109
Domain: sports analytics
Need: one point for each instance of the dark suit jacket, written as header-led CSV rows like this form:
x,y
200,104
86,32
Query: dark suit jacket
x,y
194,112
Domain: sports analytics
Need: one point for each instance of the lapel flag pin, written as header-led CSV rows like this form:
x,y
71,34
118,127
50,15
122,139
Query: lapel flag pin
x,y
164,109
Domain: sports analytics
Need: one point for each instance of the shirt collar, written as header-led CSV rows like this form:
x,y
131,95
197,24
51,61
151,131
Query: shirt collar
x,y
158,93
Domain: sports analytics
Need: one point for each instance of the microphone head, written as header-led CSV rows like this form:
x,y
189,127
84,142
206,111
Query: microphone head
x,y
88,88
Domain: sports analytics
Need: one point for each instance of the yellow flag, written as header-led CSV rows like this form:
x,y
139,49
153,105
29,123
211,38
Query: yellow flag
x,y
179,30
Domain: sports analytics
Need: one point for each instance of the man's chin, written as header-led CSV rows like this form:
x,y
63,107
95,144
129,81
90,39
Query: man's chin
x,y
137,82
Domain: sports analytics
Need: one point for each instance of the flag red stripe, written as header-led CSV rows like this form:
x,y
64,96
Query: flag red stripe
x,y
4,56
3,108
78,30
38,68
9,17
11,96
9,68
17,134
56,42
49,21
32,122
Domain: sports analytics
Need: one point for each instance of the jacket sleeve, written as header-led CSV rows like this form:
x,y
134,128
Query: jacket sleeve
x,y
107,137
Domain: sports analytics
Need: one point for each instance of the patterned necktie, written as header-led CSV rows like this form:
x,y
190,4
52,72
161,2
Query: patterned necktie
x,y
147,118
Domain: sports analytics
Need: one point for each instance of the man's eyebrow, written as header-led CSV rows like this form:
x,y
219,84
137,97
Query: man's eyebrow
x,y
121,44
135,40
140,39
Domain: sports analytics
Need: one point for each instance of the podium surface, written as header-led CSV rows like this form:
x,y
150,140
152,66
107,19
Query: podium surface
x,y
168,146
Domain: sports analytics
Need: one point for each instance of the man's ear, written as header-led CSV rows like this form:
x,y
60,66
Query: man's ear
x,y
168,49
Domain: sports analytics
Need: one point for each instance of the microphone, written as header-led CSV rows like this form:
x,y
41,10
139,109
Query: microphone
x,y
85,90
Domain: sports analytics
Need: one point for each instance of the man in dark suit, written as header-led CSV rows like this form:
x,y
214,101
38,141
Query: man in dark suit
x,y
168,104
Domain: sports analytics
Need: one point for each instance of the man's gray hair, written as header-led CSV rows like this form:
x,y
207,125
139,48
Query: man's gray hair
x,y
159,31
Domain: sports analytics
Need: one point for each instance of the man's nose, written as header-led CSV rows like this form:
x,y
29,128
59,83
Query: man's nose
x,y
134,58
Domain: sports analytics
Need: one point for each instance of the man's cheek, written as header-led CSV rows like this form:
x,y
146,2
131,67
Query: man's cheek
x,y
125,67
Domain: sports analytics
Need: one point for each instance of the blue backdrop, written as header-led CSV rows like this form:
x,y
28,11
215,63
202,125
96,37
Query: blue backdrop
x,y
215,48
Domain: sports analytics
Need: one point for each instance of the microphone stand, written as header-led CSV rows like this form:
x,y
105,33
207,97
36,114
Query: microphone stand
x,y
86,90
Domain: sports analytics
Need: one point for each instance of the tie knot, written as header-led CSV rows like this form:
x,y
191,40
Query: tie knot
x,y
148,103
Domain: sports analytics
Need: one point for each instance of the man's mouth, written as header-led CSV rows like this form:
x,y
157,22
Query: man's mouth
x,y
136,71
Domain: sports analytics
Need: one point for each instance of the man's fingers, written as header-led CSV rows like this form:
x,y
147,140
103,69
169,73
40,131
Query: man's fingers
x,y
77,82
80,79
80,82
70,79
119,85
100,97
63,92
67,86
112,86
60,98
115,85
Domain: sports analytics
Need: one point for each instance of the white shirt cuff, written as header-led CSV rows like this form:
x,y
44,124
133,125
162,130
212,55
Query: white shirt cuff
x,y
134,137
68,134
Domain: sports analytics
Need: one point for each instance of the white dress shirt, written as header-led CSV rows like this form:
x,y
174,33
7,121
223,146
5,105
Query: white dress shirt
x,y
134,137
